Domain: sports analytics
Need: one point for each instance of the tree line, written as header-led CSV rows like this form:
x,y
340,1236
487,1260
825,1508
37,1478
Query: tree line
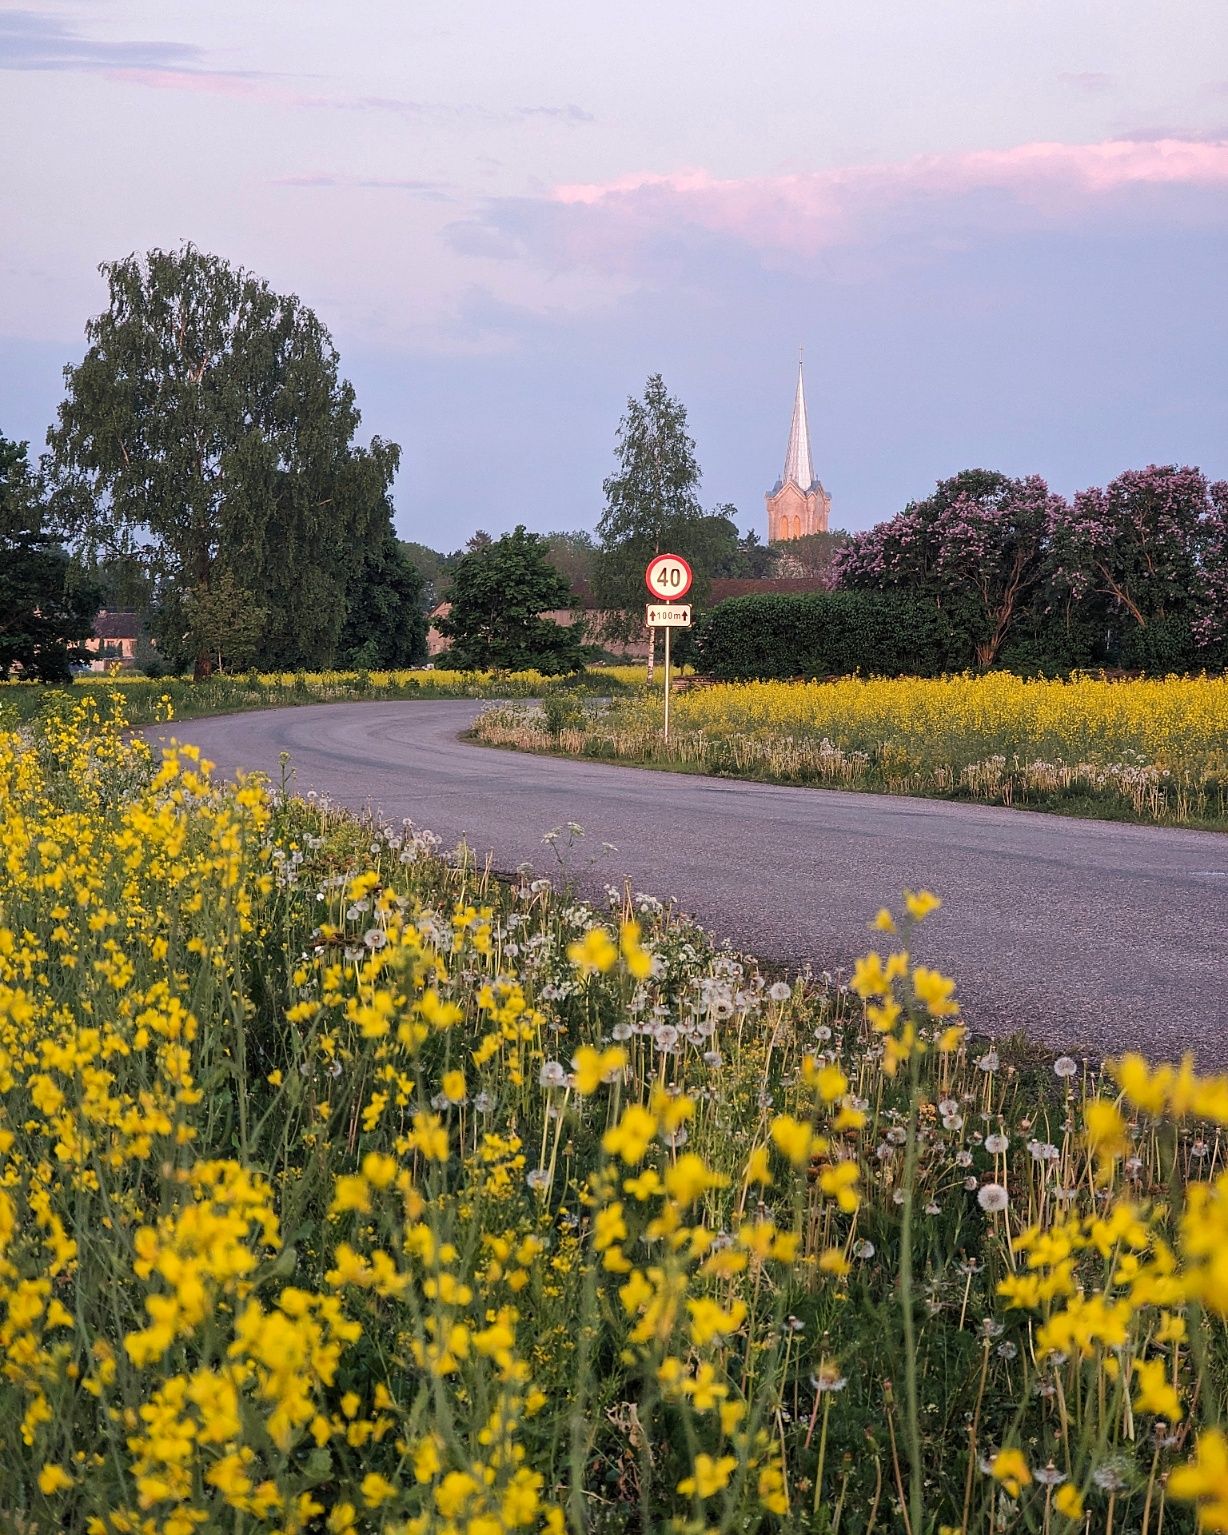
x,y
204,471
988,570
498,588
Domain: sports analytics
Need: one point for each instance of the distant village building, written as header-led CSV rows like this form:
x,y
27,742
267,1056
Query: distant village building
x,y
797,504
114,640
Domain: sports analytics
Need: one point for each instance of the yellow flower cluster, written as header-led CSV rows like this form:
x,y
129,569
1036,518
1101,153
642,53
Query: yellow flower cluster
x,y
1155,748
343,1191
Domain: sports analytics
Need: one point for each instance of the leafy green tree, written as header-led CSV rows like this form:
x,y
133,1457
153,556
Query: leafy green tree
x,y
813,557
715,547
749,560
207,424
651,506
46,607
122,579
574,556
434,571
222,622
385,625
498,595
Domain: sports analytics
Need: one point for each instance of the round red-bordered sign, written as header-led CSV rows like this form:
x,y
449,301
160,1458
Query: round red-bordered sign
x,y
668,577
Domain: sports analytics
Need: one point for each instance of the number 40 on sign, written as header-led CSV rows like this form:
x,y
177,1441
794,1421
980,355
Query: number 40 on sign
x,y
667,578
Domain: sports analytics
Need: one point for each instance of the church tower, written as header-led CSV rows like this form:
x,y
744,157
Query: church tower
x,y
797,504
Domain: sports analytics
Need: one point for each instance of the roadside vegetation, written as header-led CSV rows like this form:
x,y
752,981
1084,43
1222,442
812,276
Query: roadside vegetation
x,y
343,1189
146,699
1147,749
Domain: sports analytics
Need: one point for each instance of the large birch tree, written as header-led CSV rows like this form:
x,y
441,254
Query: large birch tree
x,y
207,427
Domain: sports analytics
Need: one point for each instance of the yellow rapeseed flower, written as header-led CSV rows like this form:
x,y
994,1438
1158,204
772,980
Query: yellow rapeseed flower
x,y
1154,1392
631,1137
689,1177
709,1475
376,1490
935,991
795,1139
1106,1133
1068,1501
1203,1480
592,1067
636,958
1011,1469
53,1479
596,952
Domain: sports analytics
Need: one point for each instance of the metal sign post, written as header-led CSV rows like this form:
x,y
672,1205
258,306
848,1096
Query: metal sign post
x,y
668,578
667,685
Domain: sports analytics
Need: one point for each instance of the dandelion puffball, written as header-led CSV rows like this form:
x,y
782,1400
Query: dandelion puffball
x,y
992,1198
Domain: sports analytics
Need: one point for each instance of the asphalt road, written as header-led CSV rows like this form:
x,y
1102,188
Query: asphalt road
x,y
1088,935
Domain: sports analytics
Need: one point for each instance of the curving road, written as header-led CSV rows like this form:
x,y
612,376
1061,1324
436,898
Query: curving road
x,y
1086,935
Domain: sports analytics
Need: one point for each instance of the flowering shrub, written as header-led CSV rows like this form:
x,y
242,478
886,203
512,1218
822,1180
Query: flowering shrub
x,y
976,548
343,1190
1157,750
1128,575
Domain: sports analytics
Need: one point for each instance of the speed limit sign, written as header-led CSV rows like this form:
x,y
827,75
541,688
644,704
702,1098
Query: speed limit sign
x,y
668,577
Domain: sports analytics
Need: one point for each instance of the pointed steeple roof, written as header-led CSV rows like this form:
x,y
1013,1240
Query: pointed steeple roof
x,y
798,467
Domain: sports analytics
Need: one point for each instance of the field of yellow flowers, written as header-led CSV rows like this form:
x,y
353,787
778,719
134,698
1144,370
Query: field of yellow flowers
x,y
144,697
343,1190
1146,749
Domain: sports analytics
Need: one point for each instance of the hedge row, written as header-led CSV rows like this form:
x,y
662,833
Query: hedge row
x,y
824,634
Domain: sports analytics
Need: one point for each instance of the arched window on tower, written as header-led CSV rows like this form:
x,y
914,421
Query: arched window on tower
x,y
797,527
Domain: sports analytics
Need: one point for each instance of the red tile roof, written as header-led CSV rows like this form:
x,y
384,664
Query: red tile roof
x,y
117,626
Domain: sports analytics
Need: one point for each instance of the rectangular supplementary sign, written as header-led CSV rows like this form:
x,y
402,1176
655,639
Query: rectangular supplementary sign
x,y
669,615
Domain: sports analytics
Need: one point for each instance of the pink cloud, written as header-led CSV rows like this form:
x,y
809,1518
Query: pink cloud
x,y
200,82
807,212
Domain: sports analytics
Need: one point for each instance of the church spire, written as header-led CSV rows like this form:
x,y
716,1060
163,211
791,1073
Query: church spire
x,y
798,467
797,505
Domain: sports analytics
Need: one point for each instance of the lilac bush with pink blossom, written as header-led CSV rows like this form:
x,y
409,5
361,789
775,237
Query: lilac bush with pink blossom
x,y
1134,573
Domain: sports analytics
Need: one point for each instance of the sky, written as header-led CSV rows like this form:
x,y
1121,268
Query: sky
x,y
997,228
